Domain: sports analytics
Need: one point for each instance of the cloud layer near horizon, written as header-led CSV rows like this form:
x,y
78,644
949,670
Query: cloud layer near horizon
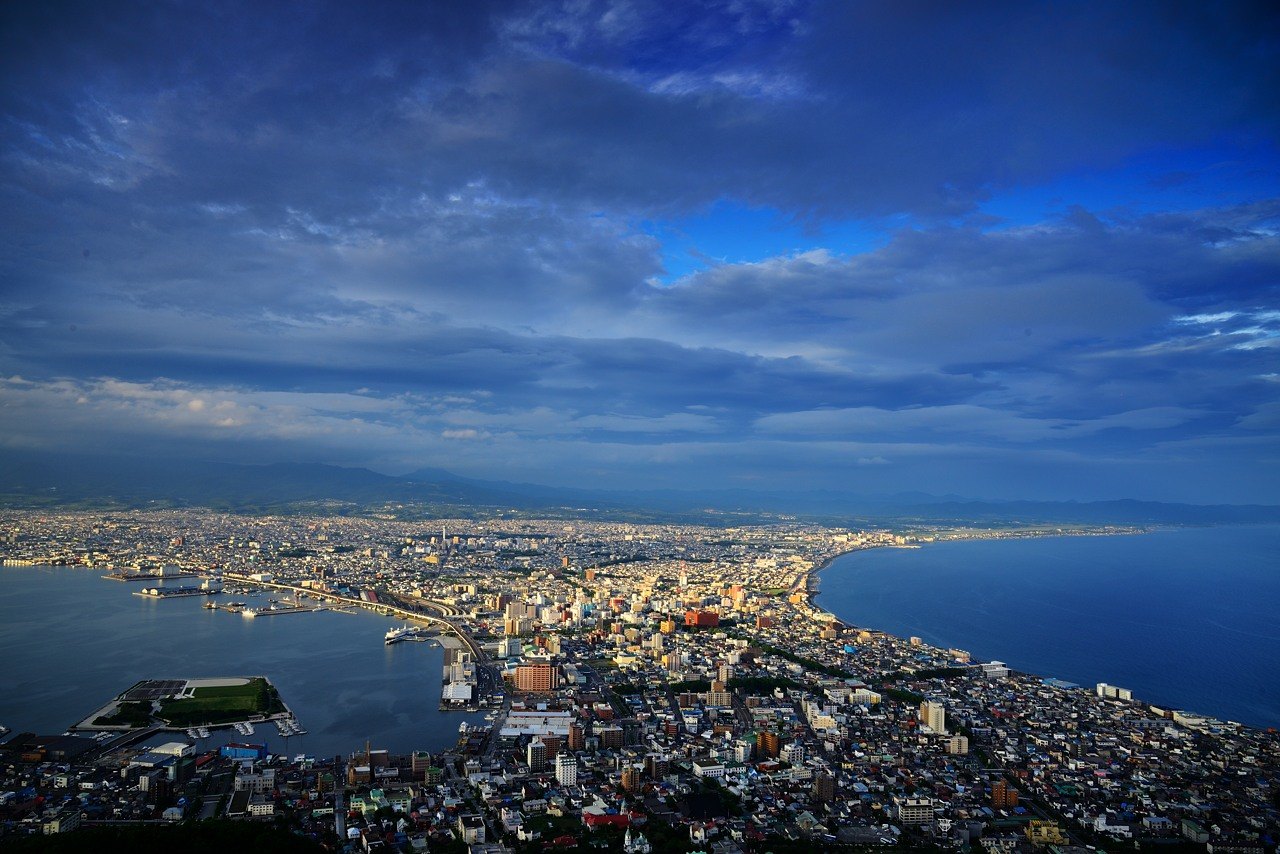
x,y
507,240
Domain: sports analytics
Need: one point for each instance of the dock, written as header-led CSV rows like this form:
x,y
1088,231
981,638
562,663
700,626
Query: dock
x,y
148,576
174,592
271,612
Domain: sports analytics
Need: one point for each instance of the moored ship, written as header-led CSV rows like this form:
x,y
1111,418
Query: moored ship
x,y
402,633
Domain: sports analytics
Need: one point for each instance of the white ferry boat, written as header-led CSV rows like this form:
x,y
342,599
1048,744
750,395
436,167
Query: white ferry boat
x,y
400,633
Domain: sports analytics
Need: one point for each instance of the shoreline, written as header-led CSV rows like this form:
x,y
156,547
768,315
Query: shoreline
x,y
810,581
811,584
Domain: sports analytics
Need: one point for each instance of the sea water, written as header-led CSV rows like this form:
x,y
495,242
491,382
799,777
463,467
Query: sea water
x,y
70,641
1186,618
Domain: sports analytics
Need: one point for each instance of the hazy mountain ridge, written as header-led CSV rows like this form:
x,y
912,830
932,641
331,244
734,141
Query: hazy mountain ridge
x,y
49,480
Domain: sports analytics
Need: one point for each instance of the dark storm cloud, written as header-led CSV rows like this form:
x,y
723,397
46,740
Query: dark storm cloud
x,y
400,233
326,108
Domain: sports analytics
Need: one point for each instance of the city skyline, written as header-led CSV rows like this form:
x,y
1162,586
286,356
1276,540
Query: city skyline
x,y
1015,252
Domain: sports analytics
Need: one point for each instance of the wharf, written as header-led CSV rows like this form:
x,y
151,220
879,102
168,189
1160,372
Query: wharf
x,y
146,576
163,593
271,612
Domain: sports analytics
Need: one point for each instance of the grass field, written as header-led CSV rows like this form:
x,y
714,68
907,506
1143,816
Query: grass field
x,y
222,703
250,689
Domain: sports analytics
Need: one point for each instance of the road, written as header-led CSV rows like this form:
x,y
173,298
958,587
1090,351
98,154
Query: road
x,y
443,617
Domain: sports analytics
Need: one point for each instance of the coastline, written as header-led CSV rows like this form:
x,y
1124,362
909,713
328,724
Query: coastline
x,y
1087,670
810,581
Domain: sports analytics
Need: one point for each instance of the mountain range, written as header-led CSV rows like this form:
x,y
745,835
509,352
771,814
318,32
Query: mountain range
x,y
42,479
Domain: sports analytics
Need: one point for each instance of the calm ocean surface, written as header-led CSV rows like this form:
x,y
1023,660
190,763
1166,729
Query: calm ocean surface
x,y
1184,618
70,641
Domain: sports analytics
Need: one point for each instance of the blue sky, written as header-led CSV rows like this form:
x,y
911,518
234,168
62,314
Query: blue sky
x,y
998,250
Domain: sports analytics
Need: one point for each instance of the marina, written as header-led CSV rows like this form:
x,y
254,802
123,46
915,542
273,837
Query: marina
x,y
288,727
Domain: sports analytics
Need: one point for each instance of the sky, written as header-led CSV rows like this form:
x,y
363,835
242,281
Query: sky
x,y
997,250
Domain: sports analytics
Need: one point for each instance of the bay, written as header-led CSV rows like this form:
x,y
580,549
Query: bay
x,y
1185,618
71,640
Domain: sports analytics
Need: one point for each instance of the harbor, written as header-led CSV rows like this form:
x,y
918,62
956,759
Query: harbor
x,y
374,691
195,707
415,634
209,587
150,576
275,610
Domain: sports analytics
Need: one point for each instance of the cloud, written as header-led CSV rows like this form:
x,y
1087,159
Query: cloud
x,y
963,420
218,224
462,434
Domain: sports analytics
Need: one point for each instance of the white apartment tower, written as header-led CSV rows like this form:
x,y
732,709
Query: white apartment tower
x,y
567,769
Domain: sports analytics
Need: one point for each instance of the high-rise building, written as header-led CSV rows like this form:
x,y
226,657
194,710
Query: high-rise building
x,y
517,626
768,744
655,766
824,787
718,696
611,736
537,678
914,810
632,777
536,755
1003,796
958,744
701,619
933,715
567,769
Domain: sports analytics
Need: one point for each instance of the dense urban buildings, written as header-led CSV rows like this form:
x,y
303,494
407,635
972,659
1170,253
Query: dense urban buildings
x,y
662,687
